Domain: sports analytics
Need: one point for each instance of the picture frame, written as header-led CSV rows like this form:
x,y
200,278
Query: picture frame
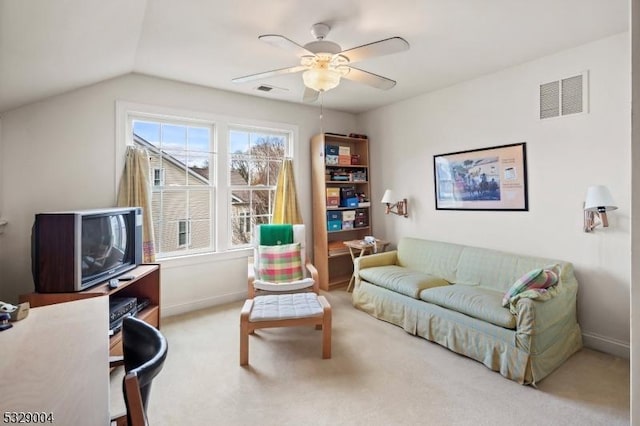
x,y
493,178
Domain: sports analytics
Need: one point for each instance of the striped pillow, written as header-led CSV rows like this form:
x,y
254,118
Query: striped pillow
x,y
280,263
537,279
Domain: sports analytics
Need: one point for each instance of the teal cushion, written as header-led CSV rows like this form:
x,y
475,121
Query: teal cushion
x,y
538,279
401,280
478,302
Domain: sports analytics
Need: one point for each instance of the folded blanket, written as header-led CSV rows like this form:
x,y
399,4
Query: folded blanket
x,y
274,235
541,294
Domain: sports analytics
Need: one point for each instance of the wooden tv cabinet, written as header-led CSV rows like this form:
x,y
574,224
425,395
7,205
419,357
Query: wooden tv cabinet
x,y
145,284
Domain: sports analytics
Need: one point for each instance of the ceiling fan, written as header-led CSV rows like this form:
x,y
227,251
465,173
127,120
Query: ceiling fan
x,y
324,62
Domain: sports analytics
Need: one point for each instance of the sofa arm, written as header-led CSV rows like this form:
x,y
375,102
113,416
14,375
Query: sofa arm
x,y
378,259
540,320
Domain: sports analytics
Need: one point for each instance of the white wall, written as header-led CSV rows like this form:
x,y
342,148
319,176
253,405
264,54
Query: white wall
x,y
564,156
635,208
59,154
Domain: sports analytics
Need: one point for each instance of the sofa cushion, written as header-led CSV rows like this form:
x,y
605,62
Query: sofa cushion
x,y
494,269
401,280
431,257
477,302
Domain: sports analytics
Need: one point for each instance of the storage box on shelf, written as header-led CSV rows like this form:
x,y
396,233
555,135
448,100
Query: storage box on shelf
x,y
145,285
341,190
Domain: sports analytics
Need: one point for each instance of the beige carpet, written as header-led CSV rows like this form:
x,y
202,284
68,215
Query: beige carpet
x,y
378,375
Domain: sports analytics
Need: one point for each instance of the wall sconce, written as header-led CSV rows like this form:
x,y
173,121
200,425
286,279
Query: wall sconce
x,y
399,207
598,202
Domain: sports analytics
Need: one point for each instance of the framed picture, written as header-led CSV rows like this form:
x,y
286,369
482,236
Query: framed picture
x,y
492,178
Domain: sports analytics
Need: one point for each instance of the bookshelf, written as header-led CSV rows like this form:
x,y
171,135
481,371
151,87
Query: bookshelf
x,y
341,203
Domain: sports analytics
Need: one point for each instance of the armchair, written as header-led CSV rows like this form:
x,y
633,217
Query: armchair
x,y
280,263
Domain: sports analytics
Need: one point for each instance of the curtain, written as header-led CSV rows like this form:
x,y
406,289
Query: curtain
x,y
285,208
135,191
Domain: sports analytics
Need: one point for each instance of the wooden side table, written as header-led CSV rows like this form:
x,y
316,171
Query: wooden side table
x,y
365,248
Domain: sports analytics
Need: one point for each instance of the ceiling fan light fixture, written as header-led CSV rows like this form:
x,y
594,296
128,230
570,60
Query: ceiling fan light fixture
x,y
321,79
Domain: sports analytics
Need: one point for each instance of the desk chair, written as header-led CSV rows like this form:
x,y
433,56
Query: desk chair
x,y
144,352
278,250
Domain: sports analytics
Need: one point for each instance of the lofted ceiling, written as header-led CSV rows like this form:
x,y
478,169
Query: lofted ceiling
x,y
49,47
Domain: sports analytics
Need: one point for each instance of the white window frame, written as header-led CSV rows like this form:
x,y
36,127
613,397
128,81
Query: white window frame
x,y
221,194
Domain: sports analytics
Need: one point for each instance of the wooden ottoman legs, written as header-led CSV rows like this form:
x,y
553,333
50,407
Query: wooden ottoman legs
x,y
326,327
244,331
247,327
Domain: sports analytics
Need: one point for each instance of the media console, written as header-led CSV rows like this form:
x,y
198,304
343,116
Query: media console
x,y
143,283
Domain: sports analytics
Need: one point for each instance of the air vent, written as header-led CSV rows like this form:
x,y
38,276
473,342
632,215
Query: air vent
x,y
563,97
268,88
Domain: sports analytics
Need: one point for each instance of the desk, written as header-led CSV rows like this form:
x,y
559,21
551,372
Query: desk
x,y
364,247
57,361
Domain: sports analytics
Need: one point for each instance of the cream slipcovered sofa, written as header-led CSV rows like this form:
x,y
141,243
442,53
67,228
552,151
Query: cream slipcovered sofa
x,y
452,295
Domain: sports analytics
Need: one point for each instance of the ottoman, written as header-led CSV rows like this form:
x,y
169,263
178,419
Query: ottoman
x,y
285,310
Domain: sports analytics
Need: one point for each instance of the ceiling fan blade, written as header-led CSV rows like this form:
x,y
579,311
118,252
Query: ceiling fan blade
x,y
268,74
284,43
377,48
369,78
310,95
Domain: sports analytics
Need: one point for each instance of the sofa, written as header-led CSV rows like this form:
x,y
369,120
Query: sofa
x,y
452,295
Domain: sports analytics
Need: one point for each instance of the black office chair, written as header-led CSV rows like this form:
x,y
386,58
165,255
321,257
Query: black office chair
x,y
144,352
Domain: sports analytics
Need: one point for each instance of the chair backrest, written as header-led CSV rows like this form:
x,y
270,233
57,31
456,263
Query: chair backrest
x,y
144,353
299,236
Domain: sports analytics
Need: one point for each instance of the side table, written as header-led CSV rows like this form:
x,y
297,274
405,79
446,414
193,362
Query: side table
x,y
365,248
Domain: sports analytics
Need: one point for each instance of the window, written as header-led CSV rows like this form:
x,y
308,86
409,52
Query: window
x,y
255,157
158,177
211,180
181,156
184,233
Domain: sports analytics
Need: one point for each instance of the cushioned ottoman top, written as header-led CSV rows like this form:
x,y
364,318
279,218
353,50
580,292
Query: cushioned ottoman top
x,y
285,306
401,280
476,302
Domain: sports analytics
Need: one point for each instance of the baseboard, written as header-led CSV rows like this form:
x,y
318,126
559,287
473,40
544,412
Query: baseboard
x,y
168,311
606,344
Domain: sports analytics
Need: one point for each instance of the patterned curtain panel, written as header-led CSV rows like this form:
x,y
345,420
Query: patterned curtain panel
x,y
135,191
285,208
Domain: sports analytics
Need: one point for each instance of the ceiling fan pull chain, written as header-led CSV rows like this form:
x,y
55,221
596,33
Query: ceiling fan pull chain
x,y
321,111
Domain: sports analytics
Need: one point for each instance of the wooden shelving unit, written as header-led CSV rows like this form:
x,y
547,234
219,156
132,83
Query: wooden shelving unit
x,y
334,265
145,284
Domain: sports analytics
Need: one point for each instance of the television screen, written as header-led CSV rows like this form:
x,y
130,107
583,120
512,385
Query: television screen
x,y
104,244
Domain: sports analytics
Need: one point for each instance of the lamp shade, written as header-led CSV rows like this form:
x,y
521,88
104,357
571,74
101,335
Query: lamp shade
x,y
321,79
387,198
599,199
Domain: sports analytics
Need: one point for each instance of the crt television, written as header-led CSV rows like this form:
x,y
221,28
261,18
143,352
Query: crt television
x,y
72,251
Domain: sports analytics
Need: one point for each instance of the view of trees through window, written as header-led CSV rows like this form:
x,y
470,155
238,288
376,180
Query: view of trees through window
x,y
255,160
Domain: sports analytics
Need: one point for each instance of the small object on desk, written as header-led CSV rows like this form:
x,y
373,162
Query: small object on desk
x,y
16,312
4,321
126,277
114,283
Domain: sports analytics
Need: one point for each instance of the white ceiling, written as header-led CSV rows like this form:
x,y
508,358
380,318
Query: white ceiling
x,y
48,47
